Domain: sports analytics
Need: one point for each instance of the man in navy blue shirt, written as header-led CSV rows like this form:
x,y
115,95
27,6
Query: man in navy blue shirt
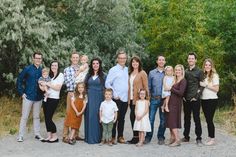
x,y
155,79
28,89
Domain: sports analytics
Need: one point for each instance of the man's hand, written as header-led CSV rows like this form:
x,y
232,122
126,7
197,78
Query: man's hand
x,y
24,96
193,99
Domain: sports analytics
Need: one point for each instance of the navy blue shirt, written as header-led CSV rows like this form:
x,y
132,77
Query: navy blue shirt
x,y
27,83
155,82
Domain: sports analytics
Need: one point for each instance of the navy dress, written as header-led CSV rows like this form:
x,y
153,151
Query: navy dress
x,y
91,121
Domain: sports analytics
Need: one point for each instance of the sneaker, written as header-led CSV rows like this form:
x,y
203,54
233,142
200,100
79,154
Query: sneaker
x,y
39,137
199,143
210,142
161,142
20,139
184,140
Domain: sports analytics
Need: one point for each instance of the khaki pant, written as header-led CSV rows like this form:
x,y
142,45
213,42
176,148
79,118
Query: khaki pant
x,y
26,107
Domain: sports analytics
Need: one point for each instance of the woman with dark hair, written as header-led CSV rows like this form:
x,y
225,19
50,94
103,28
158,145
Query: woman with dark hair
x,y
95,84
49,107
137,80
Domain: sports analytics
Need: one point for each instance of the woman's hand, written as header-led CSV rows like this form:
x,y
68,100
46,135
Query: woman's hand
x,y
203,84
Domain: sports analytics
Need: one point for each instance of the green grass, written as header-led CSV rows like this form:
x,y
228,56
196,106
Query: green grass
x,y
10,114
226,118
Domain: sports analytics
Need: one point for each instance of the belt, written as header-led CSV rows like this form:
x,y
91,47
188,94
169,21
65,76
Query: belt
x,y
156,97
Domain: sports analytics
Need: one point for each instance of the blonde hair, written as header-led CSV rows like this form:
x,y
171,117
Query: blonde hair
x,y
213,70
168,66
182,68
84,56
45,70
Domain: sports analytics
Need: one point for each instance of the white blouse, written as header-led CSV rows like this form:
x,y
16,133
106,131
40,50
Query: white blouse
x,y
54,94
131,81
207,93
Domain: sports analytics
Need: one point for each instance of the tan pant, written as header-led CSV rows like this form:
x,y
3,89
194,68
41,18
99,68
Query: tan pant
x,y
26,107
65,128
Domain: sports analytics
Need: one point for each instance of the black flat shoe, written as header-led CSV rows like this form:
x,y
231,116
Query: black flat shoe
x,y
55,141
44,140
133,141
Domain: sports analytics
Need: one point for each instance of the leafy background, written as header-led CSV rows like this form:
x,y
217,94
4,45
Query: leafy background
x,y
99,27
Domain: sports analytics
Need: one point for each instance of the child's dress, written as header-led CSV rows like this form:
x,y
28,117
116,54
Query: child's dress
x,y
144,123
169,80
72,120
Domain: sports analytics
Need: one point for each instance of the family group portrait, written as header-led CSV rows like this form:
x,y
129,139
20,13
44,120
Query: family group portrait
x,y
118,78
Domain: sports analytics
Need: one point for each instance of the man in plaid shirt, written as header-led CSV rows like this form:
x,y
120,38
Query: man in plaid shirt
x,y
70,74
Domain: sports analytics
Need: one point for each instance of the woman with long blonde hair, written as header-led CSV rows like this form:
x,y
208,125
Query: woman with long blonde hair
x,y
209,97
173,117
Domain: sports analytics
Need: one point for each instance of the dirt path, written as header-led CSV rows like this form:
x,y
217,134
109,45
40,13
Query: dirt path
x,y
226,147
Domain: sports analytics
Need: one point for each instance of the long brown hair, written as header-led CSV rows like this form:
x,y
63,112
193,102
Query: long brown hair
x,y
213,70
137,59
77,92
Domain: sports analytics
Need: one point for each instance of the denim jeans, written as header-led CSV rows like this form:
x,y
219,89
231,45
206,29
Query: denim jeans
x,y
154,105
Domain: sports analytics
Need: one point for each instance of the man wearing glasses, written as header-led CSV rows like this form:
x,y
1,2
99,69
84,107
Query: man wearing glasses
x,y
117,80
28,89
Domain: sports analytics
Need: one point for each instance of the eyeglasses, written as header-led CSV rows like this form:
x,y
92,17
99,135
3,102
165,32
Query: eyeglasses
x,y
122,58
38,58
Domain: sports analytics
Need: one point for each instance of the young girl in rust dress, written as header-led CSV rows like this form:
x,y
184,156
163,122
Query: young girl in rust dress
x,y
76,110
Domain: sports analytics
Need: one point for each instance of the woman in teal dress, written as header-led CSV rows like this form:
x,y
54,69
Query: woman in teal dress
x,y
95,81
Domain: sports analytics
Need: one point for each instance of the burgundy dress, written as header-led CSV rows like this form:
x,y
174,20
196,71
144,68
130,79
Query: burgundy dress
x,y
173,118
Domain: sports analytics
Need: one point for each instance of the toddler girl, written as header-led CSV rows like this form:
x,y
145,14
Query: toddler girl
x,y
168,82
142,122
83,69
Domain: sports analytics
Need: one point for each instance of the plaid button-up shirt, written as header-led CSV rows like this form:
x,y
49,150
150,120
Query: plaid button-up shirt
x,y
69,78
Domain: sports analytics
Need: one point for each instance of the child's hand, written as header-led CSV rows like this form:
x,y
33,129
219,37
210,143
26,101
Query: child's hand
x,y
48,84
138,118
78,114
167,88
100,120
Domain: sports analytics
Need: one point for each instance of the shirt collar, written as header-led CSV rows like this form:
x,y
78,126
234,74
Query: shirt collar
x,y
159,71
35,66
119,66
194,68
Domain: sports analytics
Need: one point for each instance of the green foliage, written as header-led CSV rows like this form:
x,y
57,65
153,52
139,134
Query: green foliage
x,y
24,31
99,27
174,28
